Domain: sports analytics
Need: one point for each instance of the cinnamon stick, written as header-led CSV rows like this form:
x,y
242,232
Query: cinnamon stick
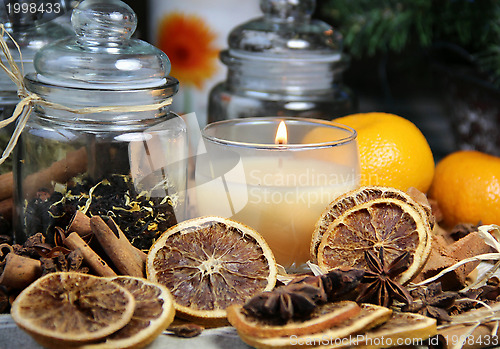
x,y
6,185
117,247
450,338
95,262
6,207
60,171
20,271
141,256
80,223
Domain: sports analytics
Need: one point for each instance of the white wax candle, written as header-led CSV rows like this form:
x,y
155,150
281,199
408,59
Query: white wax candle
x,y
281,200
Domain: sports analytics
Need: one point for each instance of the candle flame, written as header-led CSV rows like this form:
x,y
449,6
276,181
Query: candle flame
x,y
281,134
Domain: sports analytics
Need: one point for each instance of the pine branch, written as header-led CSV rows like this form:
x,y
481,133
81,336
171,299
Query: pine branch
x,y
489,58
371,26
374,26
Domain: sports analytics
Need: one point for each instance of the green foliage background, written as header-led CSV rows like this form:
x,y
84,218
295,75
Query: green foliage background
x,y
374,26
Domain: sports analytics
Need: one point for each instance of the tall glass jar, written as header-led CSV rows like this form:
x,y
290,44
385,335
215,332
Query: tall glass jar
x,y
285,64
125,161
31,33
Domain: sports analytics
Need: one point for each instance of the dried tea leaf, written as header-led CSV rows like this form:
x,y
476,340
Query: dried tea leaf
x,y
141,216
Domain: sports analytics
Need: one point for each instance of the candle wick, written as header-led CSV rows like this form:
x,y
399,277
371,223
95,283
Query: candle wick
x,y
280,160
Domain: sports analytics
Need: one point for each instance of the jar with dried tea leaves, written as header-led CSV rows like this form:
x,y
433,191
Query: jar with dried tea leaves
x,y
31,30
101,121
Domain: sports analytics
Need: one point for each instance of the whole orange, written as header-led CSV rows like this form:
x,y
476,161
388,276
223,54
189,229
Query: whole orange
x,y
467,188
393,151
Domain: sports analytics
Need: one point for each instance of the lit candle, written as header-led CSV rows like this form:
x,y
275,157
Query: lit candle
x,y
281,138
280,186
281,134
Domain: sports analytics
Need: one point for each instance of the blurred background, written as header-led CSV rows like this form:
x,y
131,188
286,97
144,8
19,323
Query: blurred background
x,y
434,62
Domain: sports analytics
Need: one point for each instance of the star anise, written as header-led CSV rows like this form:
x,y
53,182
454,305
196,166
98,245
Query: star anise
x,y
431,301
301,295
335,284
379,284
466,300
340,282
71,261
32,246
286,302
491,291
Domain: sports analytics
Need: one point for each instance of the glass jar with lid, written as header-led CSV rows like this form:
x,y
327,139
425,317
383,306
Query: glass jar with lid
x,y
125,156
284,64
31,32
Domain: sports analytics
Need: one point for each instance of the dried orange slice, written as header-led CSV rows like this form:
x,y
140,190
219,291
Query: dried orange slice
x,y
324,316
359,196
64,309
369,317
209,263
381,223
154,312
401,330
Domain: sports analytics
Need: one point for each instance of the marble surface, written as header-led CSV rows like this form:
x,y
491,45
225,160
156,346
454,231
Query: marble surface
x,y
12,337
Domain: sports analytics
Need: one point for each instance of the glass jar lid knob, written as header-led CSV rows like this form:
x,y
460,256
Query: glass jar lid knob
x,y
286,31
106,22
103,53
287,10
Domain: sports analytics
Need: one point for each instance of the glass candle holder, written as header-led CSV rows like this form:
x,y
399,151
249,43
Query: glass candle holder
x,y
276,175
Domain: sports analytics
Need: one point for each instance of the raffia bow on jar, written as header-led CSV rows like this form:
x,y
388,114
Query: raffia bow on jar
x,y
29,99
94,131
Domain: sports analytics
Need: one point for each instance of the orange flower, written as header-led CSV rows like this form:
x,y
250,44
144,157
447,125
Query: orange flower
x,y
187,40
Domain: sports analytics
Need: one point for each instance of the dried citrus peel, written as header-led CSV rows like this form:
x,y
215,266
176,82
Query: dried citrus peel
x,y
360,196
385,222
209,263
66,308
369,317
323,317
154,312
402,329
